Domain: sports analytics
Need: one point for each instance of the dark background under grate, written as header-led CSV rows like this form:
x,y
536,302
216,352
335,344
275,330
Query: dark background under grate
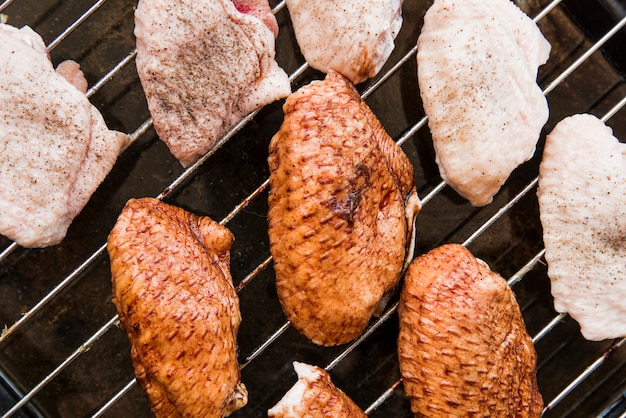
x,y
236,171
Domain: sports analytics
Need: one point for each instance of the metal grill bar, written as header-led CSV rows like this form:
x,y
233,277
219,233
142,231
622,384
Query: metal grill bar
x,y
516,278
531,265
585,56
588,371
80,350
74,25
108,76
119,395
560,317
191,170
618,106
5,253
7,332
546,10
366,333
173,186
101,251
5,4
504,209
392,309
386,395
389,73
185,175
389,392
532,262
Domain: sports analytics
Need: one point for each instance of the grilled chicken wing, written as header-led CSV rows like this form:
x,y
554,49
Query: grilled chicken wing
x,y
477,66
314,396
463,347
175,300
55,148
582,204
338,224
205,65
352,37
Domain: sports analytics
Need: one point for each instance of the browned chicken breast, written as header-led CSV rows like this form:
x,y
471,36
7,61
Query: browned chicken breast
x,y
314,396
463,346
176,301
338,225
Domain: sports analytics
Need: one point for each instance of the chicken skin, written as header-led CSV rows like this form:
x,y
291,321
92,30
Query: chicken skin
x,y
351,37
582,206
463,346
477,63
176,301
55,147
314,396
204,66
338,224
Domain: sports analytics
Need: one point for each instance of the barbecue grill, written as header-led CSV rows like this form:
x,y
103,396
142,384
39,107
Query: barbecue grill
x,y
62,353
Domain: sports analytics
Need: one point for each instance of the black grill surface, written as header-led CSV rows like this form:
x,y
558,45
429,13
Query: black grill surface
x,y
64,292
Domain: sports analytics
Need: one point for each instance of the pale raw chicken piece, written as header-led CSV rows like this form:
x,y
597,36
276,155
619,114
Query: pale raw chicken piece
x,y
204,66
351,37
55,148
314,396
582,203
463,348
477,66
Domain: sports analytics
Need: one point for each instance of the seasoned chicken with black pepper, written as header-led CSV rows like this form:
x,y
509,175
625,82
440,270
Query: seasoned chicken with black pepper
x,y
176,301
205,65
55,147
477,63
314,396
463,346
341,209
582,205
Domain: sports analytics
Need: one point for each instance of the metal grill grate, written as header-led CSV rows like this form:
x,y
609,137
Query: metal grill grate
x,y
61,353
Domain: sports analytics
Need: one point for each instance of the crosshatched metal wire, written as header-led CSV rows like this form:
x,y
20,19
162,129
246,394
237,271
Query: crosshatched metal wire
x,y
75,382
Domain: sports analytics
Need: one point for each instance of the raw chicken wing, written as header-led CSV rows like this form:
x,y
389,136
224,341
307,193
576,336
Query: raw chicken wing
x,y
338,224
477,64
314,396
582,204
205,65
463,346
55,148
175,300
352,37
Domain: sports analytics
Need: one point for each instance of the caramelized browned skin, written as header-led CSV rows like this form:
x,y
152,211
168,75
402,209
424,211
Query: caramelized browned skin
x,y
318,397
175,299
337,223
463,345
